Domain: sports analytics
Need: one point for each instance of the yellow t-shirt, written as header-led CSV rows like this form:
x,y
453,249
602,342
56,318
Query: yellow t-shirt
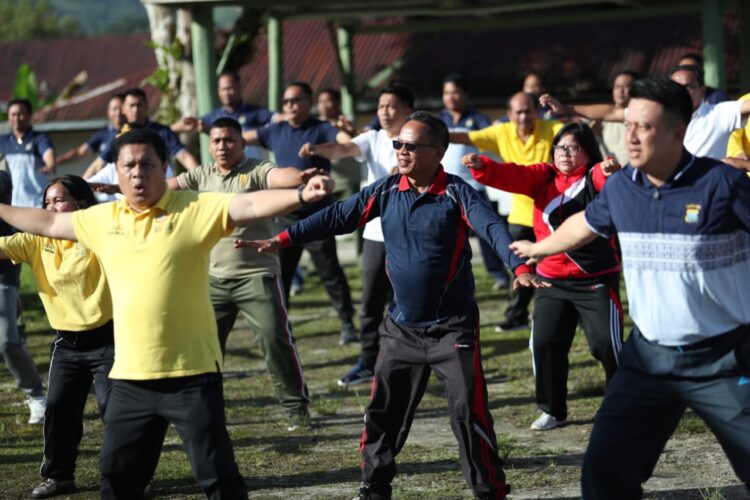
x,y
68,277
502,139
156,263
739,140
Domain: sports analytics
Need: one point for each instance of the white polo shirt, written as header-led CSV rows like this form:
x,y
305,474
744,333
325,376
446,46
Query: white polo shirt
x,y
709,128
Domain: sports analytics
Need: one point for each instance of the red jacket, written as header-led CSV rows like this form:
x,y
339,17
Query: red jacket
x,y
556,197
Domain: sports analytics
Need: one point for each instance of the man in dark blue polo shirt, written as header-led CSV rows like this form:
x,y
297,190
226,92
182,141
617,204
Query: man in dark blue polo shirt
x,y
29,155
100,140
433,322
247,115
683,223
135,112
285,139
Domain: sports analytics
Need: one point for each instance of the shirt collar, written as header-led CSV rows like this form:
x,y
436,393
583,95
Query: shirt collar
x,y
437,186
160,205
686,161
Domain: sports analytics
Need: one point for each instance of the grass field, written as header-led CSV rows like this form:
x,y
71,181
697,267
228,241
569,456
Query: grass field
x,y
323,463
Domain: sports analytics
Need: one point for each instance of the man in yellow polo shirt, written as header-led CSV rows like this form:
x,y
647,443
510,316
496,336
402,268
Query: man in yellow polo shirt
x,y
154,248
524,140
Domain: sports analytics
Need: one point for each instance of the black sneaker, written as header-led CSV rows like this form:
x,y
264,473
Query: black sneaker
x,y
511,326
374,491
348,334
51,487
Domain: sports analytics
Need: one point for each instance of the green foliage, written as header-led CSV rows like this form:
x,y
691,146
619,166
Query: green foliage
x,y
30,19
96,17
169,111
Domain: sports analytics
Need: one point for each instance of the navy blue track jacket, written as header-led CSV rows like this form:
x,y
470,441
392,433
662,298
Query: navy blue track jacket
x,y
428,256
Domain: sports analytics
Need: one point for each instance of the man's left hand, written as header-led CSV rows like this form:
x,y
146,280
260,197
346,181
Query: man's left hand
x,y
527,280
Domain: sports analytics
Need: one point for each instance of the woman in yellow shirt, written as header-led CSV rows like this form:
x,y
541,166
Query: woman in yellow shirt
x,y
78,304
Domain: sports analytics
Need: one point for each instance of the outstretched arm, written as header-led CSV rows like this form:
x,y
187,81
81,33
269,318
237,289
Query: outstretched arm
x,y
460,138
572,234
38,221
247,207
330,150
602,112
290,177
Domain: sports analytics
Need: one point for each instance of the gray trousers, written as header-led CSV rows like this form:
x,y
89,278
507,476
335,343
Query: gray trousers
x,y
13,345
646,399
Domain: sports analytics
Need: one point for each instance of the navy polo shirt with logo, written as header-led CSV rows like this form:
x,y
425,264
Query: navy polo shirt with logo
x,y
428,256
173,143
685,248
285,141
100,139
24,159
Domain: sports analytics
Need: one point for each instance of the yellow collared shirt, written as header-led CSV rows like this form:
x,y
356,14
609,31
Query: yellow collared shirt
x,y
156,263
68,278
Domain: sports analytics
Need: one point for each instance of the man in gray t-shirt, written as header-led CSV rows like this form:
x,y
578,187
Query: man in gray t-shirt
x,y
244,280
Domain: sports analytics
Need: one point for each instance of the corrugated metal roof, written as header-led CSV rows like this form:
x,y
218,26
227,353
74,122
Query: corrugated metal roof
x,y
57,61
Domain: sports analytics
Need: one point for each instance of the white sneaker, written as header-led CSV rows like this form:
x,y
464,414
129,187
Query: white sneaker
x,y
546,422
37,407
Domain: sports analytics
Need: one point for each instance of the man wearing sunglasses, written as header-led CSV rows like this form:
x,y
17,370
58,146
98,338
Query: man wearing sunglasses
x,y
433,323
285,139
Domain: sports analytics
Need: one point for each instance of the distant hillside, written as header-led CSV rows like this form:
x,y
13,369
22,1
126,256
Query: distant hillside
x,y
96,17
109,16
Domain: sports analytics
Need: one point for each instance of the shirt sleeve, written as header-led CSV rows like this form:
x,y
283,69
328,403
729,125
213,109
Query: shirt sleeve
x,y
173,143
329,132
210,217
597,215
340,218
258,178
483,220
265,136
364,143
44,143
17,247
106,154
190,180
511,177
96,140
106,175
86,225
486,139
728,116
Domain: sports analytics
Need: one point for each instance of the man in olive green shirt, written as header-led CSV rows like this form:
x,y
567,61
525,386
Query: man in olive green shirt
x,y
244,280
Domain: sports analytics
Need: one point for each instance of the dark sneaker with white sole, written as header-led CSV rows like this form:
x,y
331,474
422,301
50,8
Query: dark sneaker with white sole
x,y
359,374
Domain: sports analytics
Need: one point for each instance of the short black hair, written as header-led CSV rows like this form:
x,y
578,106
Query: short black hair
x,y
116,96
232,74
694,56
628,72
671,95
458,80
690,68
21,102
335,94
76,186
136,92
141,136
304,86
436,129
403,93
227,122
584,137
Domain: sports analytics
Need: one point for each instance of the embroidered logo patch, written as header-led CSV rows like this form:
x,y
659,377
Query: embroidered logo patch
x,y
243,179
692,213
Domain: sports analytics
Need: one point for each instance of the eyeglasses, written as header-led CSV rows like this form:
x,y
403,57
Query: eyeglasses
x,y
292,100
566,150
411,147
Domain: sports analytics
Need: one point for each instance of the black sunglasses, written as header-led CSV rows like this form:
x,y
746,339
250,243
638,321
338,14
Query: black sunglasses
x,y
292,100
411,146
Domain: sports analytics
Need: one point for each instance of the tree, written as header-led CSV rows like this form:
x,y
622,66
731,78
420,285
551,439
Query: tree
x,y
29,19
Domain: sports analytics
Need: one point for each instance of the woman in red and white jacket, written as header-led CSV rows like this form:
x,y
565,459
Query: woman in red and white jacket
x,y
585,282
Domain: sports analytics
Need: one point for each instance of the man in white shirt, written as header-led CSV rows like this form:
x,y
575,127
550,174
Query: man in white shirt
x,y
395,103
711,124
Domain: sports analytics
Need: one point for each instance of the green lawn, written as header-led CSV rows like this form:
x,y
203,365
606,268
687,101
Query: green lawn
x,y
323,463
